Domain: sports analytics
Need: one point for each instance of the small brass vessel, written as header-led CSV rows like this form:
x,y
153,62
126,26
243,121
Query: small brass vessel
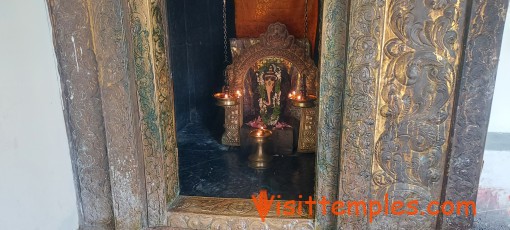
x,y
259,159
225,99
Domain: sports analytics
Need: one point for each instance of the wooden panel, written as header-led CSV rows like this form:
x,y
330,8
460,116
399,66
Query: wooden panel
x,y
155,101
473,107
402,68
422,47
332,77
366,24
72,37
119,112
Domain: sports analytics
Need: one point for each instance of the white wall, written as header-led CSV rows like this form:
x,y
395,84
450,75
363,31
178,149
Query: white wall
x,y
36,182
500,112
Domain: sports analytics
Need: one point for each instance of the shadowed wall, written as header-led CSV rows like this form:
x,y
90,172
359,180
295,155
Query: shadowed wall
x,y
197,59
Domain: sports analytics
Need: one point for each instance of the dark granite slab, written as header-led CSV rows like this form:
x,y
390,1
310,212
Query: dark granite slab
x,y
207,168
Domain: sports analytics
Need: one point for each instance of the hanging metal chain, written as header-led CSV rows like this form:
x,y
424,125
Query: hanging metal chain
x,y
306,18
225,47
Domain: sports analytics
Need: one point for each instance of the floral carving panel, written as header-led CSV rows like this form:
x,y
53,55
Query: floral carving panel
x,y
476,85
421,50
358,127
190,212
332,77
155,101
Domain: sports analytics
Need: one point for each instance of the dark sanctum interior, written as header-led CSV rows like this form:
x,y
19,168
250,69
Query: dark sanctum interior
x,y
212,163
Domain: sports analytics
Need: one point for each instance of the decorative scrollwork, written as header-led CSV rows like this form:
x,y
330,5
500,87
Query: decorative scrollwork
x,y
308,130
363,66
217,213
415,108
473,106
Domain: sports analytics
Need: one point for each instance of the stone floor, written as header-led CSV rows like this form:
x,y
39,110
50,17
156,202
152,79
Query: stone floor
x,y
207,168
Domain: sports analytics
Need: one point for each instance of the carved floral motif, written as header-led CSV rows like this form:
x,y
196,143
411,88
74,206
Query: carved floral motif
x,y
473,110
414,110
216,213
363,66
332,64
155,100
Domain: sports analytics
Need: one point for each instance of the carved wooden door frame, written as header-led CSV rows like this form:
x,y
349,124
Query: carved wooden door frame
x,y
118,103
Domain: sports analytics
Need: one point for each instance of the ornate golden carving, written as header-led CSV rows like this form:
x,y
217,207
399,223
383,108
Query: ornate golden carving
x,y
155,100
483,44
421,47
332,77
217,213
232,125
308,131
275,42
359,112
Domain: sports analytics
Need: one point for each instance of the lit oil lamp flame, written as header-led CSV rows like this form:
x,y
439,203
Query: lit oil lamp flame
x,y
238,93
292,94
260,132
299,97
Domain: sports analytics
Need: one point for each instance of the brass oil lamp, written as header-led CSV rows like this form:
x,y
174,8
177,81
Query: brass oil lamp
x,y
227,98
302,99
259,159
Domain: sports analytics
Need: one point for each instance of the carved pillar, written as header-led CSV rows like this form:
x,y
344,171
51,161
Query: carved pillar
x,y
480,62
404,63
422,44
155,105
364,56
119,112
165,99
114,65
232,134
72,37
307,142
332,77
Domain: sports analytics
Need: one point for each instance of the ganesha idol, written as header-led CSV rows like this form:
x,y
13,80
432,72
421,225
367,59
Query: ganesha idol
x,y
266,70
